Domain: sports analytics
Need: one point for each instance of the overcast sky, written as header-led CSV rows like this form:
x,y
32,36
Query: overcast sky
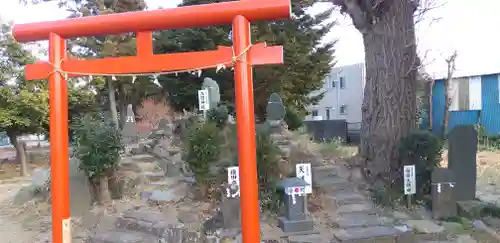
x,y
471,29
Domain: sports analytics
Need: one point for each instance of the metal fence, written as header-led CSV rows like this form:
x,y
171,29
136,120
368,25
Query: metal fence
x,y
327,130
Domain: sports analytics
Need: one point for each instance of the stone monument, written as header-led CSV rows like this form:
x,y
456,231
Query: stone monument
x,y
444,203
462,150
230,207
213,91
129,131
275,110
295,218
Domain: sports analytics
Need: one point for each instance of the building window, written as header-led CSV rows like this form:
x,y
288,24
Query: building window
x,y
334,84
315,113
342,82
328,113
465,94
343,109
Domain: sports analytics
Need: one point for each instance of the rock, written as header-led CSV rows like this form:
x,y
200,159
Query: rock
x,y
424,226
40,178
314,238
353,234
81,199
211,239
188,217
24,195
170,195
212,224
355,208
452,226
153,176
360,220
161,196
121,237
138,150
400,215
231,233
151,223
478,224
175,233
421,212
470,209
192,237
465,239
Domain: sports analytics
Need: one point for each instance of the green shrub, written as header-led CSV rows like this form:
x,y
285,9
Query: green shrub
x,y
268,157
293,119
201,151
218,115
97,144
422,149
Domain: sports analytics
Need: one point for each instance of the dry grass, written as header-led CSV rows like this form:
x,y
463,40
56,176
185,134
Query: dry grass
x,y
334,149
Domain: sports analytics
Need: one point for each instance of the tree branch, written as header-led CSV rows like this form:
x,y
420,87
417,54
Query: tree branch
x,y
356,12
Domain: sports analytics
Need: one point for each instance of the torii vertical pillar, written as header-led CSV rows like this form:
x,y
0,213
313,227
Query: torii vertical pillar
x,y
58,124
239,13
245,120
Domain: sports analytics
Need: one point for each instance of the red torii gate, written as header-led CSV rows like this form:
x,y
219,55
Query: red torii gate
x,y
243,55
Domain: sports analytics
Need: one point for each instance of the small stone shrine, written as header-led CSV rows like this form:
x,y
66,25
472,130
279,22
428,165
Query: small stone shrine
x,y
444,203
462,150
295,218
129,131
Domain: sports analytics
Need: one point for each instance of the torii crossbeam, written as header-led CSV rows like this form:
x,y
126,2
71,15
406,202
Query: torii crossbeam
x,y
237,13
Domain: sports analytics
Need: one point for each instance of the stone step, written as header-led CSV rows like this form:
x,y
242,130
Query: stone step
x,y
437,241
331,181
147,222
118,236
138,167
354,220
153,176
343,197
359,207
173,194
382,234
163,184
146,158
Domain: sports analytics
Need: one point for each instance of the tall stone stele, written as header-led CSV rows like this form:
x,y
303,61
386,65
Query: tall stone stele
x,y
213,91
275,111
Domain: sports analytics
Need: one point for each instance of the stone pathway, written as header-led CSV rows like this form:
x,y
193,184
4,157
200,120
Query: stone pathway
x,y
352,214
355,218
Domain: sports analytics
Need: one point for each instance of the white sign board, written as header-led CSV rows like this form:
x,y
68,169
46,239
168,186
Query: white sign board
x,y
233,181
410,183
203,100
303,171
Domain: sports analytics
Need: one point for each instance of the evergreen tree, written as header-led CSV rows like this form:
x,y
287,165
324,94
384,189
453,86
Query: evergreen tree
x,y
119,92
307,60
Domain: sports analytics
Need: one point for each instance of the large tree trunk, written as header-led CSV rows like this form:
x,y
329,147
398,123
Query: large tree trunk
x,y
20,153
389,105
112,102
104,194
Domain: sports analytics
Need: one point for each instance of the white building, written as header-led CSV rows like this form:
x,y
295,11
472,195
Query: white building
x,y
344,89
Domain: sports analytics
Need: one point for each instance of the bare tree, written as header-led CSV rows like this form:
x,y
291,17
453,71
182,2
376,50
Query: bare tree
x,y
450,62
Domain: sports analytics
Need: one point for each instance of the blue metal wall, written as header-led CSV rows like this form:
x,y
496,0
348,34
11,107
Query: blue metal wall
x,y
489,116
